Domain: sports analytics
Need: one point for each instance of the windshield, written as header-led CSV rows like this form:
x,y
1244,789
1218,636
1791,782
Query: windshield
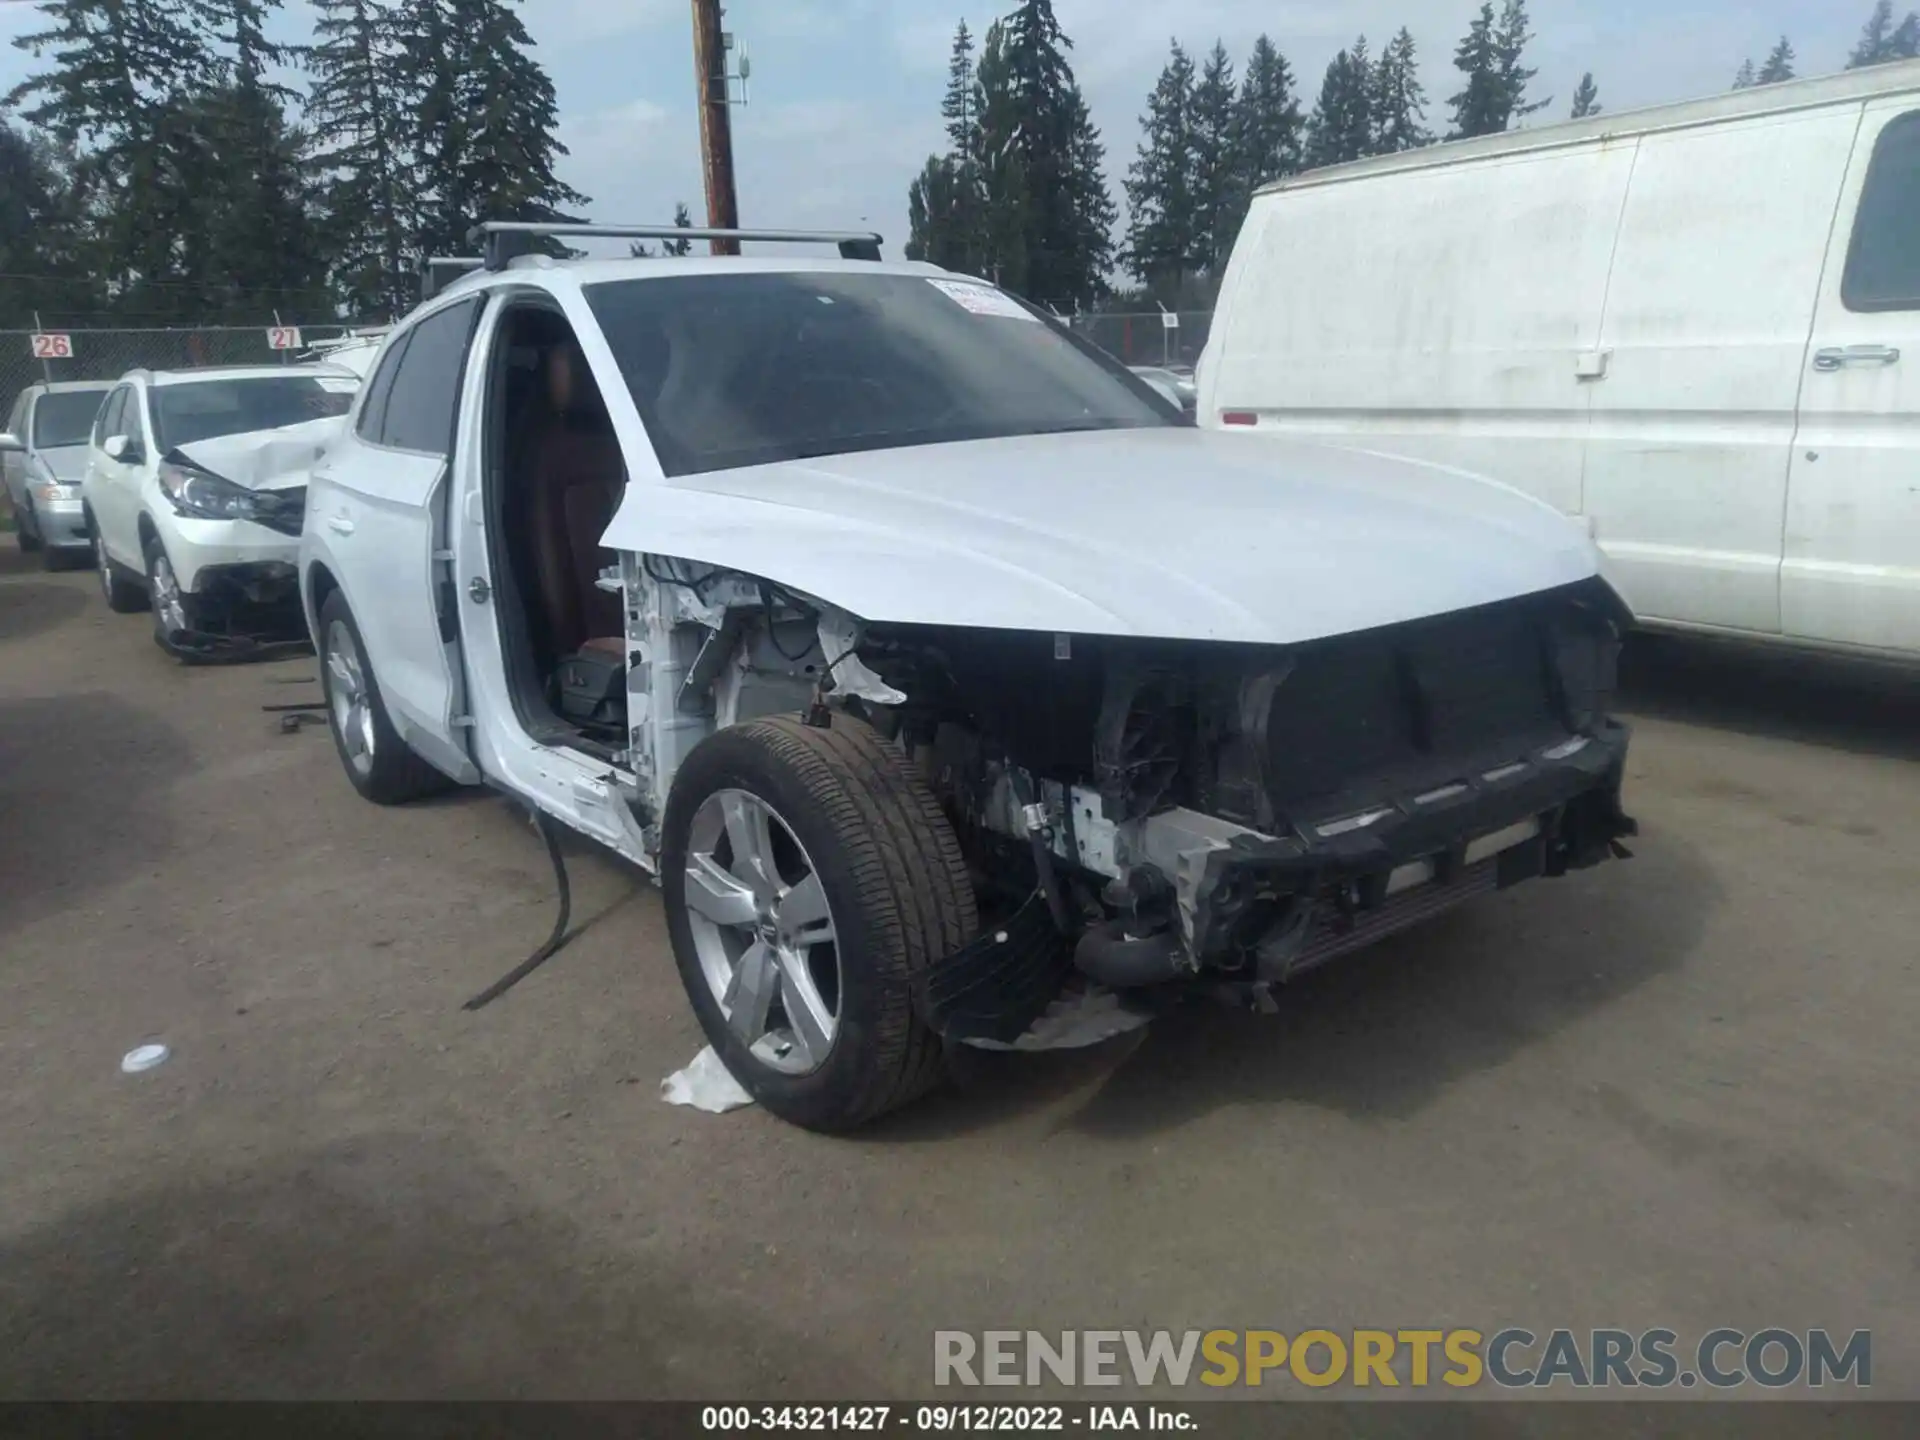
x,y
746,369
65,417
209,409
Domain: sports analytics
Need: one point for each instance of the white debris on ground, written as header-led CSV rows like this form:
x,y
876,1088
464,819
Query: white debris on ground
x,y
1081,1016
706,1084
143,1057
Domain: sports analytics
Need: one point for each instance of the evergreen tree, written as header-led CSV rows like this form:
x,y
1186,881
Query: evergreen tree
x,y
1399,101
682,220
1341,127
959,106
485,135
1269,128
1510,39
1479,108
965,202
117,93
1779,64
930,232
1160,184
1745,78
1882,41
42,267
1586,99
1490,56
366,96
262,243
1217,185
1003,180
1050,160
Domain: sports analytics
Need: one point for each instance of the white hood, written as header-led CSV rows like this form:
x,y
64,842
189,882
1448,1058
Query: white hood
x,y
1163,532
266,459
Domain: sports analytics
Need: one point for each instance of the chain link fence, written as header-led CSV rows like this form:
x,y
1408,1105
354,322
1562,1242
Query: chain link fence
x,y
1145,338
109,354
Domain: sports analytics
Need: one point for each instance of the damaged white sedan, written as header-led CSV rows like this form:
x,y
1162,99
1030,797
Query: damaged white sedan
x,y
950,686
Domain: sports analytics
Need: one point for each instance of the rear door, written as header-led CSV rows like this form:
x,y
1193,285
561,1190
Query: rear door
x,y
1851,574
381,501
1710,302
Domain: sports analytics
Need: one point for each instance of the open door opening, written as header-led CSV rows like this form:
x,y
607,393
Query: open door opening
x,y
554,479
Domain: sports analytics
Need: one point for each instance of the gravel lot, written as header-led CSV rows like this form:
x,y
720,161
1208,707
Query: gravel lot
x,y
1677,1091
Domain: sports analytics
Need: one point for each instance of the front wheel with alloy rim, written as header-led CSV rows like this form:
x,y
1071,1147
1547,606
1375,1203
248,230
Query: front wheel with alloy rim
x,y
810,880
123,596
376,759
173,608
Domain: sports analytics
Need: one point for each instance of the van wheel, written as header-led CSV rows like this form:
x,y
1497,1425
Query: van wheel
x,y
810,877
376,759
123,596
25,533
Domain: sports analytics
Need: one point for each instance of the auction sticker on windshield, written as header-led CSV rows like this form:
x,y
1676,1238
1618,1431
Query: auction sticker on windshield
x,y
982,299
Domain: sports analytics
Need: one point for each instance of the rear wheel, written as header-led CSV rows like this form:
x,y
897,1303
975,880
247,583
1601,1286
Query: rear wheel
x,y
123,596
810,878
25,533
376,759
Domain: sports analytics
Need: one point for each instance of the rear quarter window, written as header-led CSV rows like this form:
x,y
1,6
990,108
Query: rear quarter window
x,y
1883,262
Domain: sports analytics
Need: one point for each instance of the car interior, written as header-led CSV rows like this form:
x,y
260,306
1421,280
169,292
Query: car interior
x,y
560,478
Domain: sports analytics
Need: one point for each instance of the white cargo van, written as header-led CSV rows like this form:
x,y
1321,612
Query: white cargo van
x,y
1697,327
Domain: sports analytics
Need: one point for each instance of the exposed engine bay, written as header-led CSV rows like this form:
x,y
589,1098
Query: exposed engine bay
x,y
1152,813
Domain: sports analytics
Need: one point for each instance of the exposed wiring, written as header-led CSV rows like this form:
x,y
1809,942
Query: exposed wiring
x,y
557,940
767,593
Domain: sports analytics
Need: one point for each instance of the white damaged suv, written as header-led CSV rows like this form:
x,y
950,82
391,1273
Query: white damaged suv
x,y
954,691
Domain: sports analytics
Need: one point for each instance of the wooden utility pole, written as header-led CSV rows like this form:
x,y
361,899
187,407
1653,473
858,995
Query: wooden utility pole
x,y
716,123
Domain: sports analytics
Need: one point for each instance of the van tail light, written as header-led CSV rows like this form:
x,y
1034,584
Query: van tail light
x,y
1239,417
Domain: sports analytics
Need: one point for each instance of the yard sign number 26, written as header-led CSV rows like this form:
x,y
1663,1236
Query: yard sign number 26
x,y
53,347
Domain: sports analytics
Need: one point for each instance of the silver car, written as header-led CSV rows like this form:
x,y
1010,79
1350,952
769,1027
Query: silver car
x,y
43,454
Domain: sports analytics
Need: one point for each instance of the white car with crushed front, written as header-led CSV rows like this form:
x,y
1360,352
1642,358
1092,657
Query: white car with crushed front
x,y
194,489
954,690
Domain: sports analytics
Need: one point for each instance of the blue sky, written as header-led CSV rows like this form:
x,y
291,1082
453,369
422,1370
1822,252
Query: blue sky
x,y
845,93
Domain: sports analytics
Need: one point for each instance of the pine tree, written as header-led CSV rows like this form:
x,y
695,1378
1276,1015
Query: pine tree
x,y
366,96
930,231
1510,39
42,267
1479,108
1586,99
262,243
121,79
1495,94
1269,128
1048,212
960,108
1399,101
1216,169
485,134
1160,183
683,220
1779,64
1341,127
1882,41
1745,78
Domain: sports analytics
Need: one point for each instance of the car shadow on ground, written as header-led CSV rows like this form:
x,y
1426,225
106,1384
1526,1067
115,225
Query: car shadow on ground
x,y
81,798
1812,699
1380,1033
399,1266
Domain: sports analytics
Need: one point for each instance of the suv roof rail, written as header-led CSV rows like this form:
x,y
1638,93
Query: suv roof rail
x,y
439,271
504,240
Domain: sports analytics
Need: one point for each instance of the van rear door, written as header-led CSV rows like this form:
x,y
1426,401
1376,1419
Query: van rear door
x,y
1851,573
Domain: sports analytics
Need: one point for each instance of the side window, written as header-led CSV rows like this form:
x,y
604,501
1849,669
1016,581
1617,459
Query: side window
x,y
426,390
109,421
1883,265
373,414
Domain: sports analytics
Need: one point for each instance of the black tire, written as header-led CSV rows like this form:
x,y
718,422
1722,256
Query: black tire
x,y
391,773
124,596
25,533
157,562
65,558
897,886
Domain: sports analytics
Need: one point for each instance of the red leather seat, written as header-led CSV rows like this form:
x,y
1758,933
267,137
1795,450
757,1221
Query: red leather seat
x,y
576,477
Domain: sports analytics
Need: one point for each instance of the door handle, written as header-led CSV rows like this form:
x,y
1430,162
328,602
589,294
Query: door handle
x,y
340,525
1839,357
